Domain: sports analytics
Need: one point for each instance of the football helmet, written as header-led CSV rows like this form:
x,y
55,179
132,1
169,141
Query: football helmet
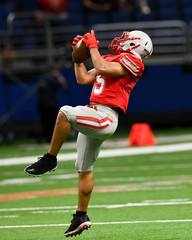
x,y
137,42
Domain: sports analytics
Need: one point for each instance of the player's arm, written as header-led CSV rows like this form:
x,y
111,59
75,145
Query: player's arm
x,y
102,67
83,76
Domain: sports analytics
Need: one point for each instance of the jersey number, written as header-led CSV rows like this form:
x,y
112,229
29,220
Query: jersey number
x,y
99,85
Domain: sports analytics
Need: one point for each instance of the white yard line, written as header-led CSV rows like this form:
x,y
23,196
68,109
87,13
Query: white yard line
x,y
110,206
137,181
119,142
10,216
99,223
57,211
107,153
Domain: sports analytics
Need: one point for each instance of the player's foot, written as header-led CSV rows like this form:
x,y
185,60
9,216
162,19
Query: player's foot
x,y
43,165
78,225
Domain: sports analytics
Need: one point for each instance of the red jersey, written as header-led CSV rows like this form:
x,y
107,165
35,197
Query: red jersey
x,y
115,91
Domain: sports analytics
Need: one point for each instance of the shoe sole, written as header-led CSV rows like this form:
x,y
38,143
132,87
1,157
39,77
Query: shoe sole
x,y
38,175
79,230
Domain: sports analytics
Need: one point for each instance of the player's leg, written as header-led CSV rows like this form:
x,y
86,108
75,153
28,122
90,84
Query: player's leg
x,y
81,220
88,150
95,125
49,161
66,118
60,133
86,183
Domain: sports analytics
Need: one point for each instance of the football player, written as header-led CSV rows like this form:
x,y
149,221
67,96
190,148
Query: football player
x,y
113,77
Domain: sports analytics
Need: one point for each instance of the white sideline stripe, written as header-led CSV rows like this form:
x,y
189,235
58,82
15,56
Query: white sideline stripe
x,y
143,204
98,223
148,204
10,216
58,211
106,153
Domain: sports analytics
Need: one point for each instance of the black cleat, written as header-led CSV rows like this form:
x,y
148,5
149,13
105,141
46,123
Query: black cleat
x,y
78,225
43,165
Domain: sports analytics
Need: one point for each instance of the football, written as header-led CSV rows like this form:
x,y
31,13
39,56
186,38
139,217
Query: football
x,y
80,53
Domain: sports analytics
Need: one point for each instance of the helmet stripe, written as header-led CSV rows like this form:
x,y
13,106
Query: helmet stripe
x,y
136,46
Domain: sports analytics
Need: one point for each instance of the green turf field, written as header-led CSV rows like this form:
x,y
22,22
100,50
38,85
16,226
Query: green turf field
x,y
136,197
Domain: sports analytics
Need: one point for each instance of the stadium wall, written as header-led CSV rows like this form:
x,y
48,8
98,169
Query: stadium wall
x,y
162,97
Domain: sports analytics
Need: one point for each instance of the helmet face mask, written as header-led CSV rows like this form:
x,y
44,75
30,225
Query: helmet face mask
x,y
137,42
118,43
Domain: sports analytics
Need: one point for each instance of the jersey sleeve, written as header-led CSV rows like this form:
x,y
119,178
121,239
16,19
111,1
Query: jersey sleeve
x,y
132,64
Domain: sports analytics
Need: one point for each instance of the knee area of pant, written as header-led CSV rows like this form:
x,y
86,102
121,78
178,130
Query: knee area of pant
x,y
66,110
79,168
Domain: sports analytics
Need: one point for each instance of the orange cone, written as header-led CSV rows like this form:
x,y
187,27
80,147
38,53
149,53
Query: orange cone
x,y
141,135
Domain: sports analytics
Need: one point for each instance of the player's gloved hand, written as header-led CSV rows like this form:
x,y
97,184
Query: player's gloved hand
x,y
90,40
76,40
